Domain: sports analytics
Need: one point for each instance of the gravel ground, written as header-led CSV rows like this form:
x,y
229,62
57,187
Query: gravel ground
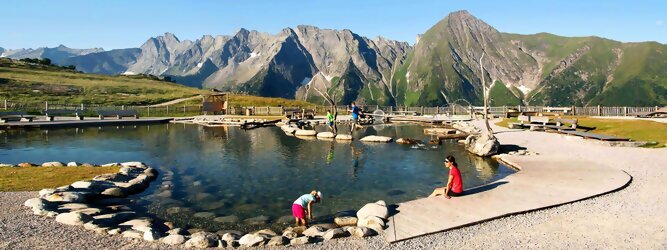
x,y
20,229
632,218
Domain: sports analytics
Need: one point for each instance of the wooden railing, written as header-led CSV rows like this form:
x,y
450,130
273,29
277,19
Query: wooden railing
x,y
190,110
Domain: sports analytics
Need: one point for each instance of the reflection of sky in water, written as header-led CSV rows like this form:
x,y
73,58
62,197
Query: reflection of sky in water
x,y
258,172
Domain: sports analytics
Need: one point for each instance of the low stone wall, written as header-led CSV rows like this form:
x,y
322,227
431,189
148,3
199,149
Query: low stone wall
x,y
101,205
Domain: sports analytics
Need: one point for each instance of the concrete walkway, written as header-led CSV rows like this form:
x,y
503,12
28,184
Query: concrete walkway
x,y
554,177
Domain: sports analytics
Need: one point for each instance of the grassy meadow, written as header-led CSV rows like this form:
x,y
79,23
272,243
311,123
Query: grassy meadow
x,y
36,178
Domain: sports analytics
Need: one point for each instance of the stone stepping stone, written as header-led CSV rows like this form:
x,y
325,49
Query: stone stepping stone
x,y
304,132
376,138
341,137
326,135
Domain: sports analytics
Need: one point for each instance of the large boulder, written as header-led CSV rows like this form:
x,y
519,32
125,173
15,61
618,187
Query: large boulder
x,y
141,225
73,218
53,164
46,192
326,135
314,231
301,240
484,144
335,233
290,234
345,221
133,234
114,218
376,138
114,191
25,165
35,203
135,164
373,209
267,233
305,132
372,222
173,239
361,232
252,240
202,240
278,241
67,197
151,235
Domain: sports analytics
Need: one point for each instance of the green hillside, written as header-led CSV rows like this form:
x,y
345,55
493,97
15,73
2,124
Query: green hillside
x,y
32,83
556,70
27,82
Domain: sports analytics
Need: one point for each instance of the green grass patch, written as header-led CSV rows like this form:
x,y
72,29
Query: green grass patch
x,y
36,178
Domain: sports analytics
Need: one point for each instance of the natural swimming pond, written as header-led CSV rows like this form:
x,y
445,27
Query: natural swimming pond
x,y
228,178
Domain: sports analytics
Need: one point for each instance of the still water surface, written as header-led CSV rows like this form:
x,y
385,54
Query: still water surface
x,y
256,173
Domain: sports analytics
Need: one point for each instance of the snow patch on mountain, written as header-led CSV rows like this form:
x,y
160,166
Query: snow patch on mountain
x,y
524,89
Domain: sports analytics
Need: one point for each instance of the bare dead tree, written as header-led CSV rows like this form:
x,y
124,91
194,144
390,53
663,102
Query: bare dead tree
x,y
486,96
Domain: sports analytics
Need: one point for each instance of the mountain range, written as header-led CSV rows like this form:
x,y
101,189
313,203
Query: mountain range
x,y
441,68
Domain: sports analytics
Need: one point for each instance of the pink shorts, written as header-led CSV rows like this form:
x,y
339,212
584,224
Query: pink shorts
x,y
298,211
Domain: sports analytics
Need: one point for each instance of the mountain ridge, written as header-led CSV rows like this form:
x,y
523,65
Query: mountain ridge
x,y
441,68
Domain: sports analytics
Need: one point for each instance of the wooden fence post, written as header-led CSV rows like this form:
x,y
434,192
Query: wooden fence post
x,y
149,111
5,104
46,105
625,111
599,111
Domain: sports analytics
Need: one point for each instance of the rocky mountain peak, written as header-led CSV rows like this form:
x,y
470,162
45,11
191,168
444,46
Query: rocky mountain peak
x,y
170,37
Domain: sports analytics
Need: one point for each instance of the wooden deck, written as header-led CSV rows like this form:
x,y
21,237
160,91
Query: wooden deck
x,y
594,136
90,122
544,181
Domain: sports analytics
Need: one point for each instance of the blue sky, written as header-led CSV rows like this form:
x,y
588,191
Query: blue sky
x,y
122,24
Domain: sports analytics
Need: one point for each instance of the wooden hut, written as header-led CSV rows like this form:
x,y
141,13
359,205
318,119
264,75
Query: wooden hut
x,y
215,104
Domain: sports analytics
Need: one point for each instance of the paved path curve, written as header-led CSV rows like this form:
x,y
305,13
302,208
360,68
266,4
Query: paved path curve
x,y
543,181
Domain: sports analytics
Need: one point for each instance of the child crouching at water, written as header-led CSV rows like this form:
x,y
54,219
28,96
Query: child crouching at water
x,y
301,204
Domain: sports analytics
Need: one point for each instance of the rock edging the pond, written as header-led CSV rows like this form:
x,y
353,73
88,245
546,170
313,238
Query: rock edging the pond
x,y
97,205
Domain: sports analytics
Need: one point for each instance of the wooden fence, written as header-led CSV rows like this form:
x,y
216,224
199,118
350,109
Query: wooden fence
x,y
190,110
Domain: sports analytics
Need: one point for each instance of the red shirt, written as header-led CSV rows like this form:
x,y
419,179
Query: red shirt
x,y
457,182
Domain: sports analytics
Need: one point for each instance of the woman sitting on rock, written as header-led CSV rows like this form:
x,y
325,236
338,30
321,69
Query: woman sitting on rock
x,y
301,204
454,183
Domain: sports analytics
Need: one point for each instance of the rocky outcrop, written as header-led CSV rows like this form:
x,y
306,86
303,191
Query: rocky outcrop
x,y
482,144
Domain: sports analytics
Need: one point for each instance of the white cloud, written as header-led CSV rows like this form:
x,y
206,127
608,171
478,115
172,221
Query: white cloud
x,y
659,22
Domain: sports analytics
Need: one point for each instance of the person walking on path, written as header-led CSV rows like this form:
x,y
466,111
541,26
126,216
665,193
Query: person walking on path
x,y
355,115
454,185
305,203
